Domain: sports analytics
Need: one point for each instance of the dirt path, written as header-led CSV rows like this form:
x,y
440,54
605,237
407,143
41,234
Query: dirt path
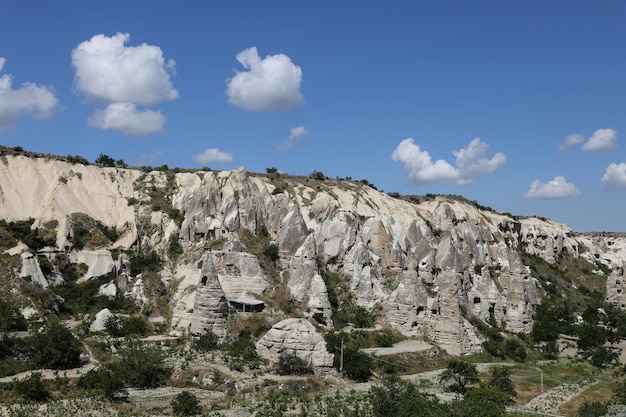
x,y
51,373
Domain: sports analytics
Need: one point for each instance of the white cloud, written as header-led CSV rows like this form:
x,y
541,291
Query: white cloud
x,y
213,155
295,138
29,99
147,159
557,188
601,140
126,118
471,162
271,84
571,140
108,70
614,179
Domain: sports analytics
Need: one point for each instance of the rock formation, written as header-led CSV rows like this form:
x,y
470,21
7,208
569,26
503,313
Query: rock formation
x,y
210,309
425,265
297,336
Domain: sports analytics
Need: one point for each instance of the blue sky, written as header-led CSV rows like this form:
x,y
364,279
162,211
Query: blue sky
x,y
517,105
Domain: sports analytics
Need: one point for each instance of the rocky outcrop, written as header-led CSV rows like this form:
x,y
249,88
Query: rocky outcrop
x,y
210,309
297,336
424,266
616,288
99,322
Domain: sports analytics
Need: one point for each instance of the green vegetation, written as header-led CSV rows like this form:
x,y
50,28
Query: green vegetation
x,y
206,342
241,353
461,374
145,262
31,389
174,248
54,346
88,232
22,231
500,379
571,289
102,382
84,297
185,404
128,326
291,364
317,175
141,365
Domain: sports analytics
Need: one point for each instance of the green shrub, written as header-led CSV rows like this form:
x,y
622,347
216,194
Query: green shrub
x,y
102,381
207,341
357,365
398,398
271,251
241,353
145,262
174,248
177,215
291,364
104,160
127,326
141,366
185,404
317,175
10,317
32,388
361,318
383,339
54,346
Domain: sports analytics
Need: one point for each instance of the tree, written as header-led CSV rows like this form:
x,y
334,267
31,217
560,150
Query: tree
x,y
54,346
357,365
271,251
500,379
461,374
105,161
207,341
483,402
591,344
361,318
142,366
32,388
291,364
10,317
102,381
317,175
185,404
272,170
399,398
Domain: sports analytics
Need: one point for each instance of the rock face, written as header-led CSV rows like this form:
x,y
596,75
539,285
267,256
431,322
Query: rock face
x,y
296,336
210,309
424,266
100,320
616,288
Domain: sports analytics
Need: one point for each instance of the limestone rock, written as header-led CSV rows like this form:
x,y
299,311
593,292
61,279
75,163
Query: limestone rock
x,y
427,263
32,270
100,262
98,324
298,336
306,284
616,288
210,309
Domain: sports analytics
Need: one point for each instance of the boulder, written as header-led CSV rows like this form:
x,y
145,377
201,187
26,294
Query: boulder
x,y
99,321
298,336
